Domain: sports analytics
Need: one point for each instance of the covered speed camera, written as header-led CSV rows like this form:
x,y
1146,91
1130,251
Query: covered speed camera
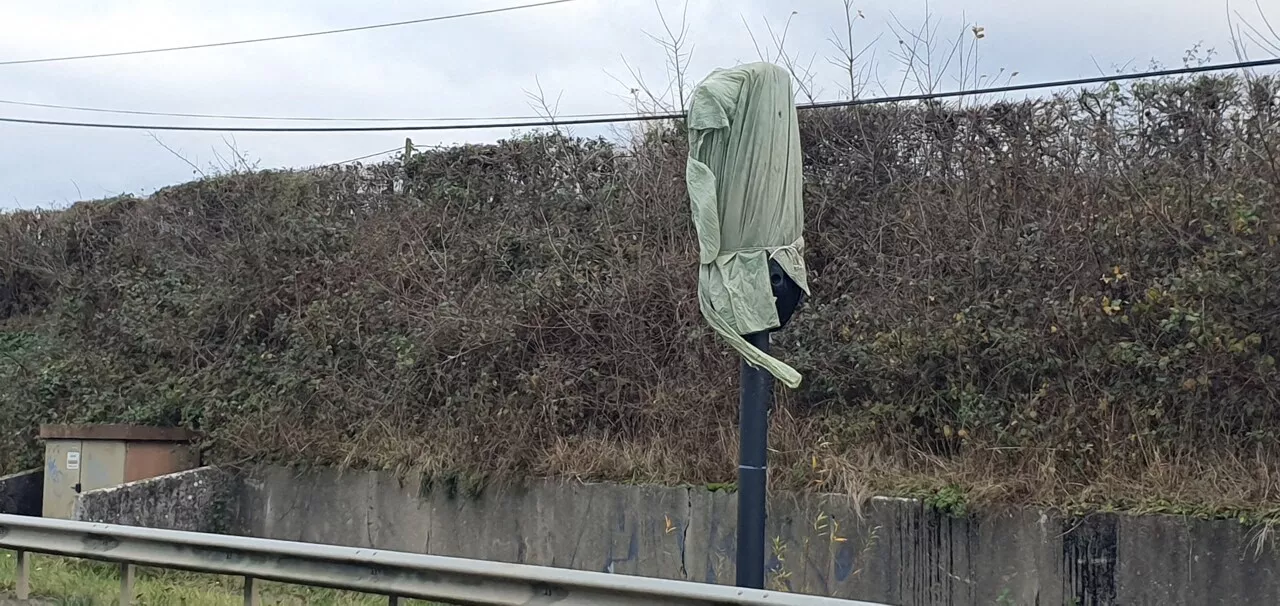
x,y
744,176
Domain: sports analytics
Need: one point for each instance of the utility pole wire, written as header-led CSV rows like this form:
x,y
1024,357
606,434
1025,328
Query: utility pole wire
x,y
133,112
285,37
1181,71
366,157
661,116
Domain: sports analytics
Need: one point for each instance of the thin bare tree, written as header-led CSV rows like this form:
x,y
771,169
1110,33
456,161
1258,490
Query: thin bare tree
x,y
849,59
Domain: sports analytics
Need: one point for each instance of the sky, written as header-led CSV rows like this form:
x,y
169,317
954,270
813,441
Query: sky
x,y
581,54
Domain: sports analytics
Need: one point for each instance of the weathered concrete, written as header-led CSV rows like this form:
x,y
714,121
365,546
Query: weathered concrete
x,y
624,529
895,551
22,493
200,500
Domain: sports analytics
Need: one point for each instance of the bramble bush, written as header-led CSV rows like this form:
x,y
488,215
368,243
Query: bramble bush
x,y
1065,300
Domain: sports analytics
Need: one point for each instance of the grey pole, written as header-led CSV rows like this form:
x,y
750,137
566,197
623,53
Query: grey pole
x,y
753,467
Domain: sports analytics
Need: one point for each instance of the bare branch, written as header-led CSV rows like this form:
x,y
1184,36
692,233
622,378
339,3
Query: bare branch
x,y
177,155
759,51
538,102
1266,22
240,161
678,56
845,45
803,74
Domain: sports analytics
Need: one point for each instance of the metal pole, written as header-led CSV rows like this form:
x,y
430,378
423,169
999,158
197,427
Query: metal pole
x,y
252,597
22,585
753,464
128,575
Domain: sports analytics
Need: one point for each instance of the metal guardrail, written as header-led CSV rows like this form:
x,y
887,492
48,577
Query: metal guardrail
x,y
390,573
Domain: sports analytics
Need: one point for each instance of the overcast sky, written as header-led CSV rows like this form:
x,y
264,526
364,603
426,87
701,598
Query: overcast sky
x,y
480,66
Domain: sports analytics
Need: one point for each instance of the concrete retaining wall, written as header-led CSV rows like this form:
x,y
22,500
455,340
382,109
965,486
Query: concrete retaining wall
x,y
897,551
199,500
22,493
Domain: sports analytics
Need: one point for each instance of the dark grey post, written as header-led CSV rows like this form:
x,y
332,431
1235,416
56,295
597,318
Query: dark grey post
x,y
753,466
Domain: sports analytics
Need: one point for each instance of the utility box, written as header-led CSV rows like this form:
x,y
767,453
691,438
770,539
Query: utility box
x,y
78,458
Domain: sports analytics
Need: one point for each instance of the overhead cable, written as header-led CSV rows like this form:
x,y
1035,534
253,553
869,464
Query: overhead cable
x,y
343,30
616,119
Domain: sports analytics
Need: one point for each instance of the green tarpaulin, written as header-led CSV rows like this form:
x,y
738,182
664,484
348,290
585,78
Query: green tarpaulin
x,y
744,177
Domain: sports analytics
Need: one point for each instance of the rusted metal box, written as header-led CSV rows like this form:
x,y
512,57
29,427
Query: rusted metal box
x,y
88,457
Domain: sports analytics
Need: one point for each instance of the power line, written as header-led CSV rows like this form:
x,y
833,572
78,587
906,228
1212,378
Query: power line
x,y
366,157
352,129
285,37
660,116
296,118
336,130
1181,71
385,152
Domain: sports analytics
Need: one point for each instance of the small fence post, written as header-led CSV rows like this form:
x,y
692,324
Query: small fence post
x,y
22,567
126,584
251,592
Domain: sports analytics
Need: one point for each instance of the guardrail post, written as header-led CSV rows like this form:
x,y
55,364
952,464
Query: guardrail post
x,y
251,592
126,584
393,600
22,567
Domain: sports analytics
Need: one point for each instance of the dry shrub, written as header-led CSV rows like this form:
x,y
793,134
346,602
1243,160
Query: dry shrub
x,y
1068,300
